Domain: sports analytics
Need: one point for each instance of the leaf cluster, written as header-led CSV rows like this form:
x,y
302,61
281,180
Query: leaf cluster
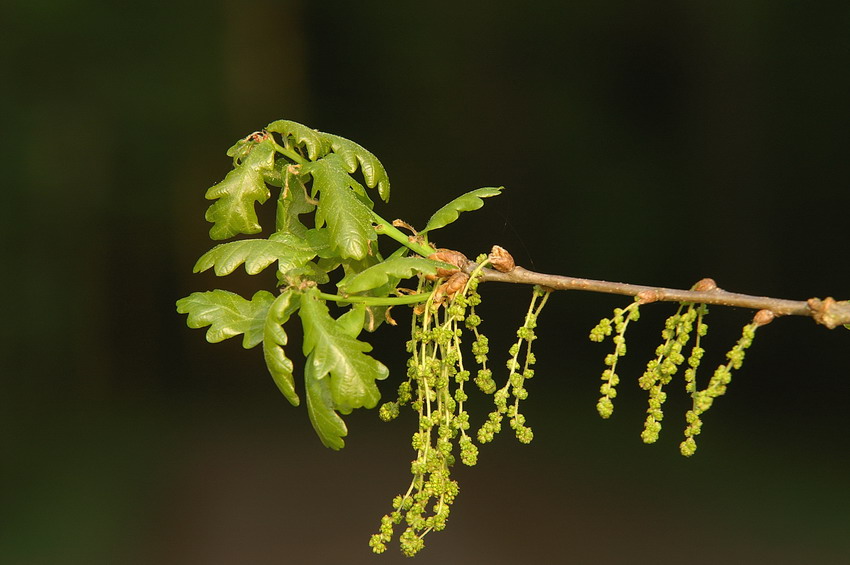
x,y
325,230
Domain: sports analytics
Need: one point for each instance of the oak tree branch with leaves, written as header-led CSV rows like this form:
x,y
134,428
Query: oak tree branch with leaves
x,y
325,248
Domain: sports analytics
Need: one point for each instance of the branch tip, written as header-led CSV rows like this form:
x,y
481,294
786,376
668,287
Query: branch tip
x,y
829,312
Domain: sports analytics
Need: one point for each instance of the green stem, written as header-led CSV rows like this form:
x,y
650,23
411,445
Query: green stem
x,y
289,153
376,300
384,227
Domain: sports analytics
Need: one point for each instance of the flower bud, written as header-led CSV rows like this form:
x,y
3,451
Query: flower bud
x,y
501,260
451,257
705,285
763,317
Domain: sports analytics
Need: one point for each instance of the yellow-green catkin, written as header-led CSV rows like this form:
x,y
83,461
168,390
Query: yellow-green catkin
x,y
481,345
660,371
703,399
617,323
697,351
520,370
435,391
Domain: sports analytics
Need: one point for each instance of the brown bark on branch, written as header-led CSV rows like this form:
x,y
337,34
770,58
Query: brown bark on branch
x,y
827,312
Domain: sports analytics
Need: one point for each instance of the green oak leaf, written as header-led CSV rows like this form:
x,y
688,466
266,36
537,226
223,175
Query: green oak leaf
x,y
352,267
241,148
464,203
274,340
320,407
292,203
334,354
375,315
288,250
233,212
353,321
310,271
315,142
392,268
348,218
353,155
227,314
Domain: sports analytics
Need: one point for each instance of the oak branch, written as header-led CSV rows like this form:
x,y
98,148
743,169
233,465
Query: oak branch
x,y
827,312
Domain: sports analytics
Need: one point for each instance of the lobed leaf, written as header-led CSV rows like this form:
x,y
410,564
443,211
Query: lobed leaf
x,y
317,272
394,267
465,203
227,314
353,155
348,218
288,250
233,212
314,141
239,150
291,204
352,322
334,354
320,408
274,340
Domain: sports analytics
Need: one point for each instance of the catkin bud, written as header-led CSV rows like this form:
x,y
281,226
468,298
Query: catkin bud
x,y
763,317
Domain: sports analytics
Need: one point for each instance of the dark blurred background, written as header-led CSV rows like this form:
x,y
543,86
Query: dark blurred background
x,y
655,143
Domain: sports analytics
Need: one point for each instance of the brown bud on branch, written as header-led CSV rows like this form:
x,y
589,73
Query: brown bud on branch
x,y
829,312
501,260
451,257
705,285
763,317
649,296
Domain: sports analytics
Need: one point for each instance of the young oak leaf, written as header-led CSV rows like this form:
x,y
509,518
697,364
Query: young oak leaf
x,y
353,155
233,212
337,356
274,340
464,203
393,268
288,250
239,150
227,314
352,322
313,140
320,408
348,217
292,203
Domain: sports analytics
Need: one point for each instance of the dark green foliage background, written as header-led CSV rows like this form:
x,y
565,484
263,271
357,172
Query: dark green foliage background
x,y
655,144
